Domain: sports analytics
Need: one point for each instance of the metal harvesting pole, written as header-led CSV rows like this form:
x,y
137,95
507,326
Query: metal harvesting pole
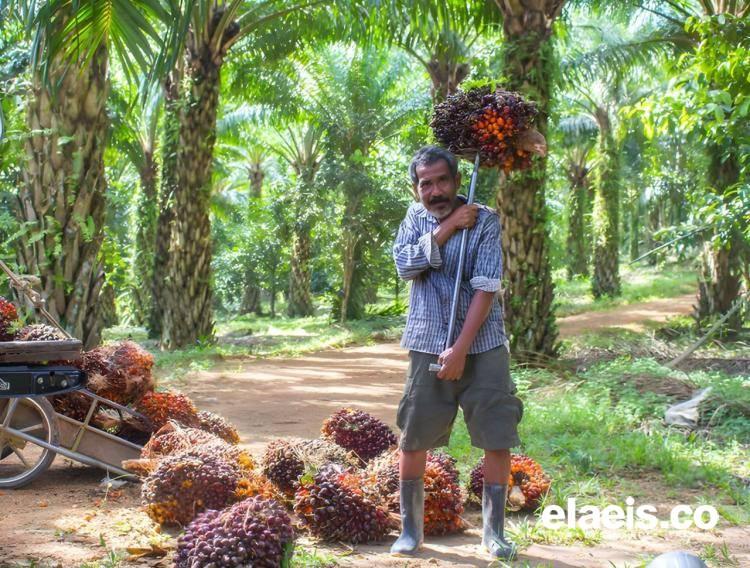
x,y
435,367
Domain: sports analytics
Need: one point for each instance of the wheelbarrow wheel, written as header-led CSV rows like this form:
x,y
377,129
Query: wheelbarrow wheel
x,y
23,460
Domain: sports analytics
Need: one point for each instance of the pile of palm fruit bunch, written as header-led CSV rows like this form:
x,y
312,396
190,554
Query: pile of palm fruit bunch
x,y
495,123
443,504
527,483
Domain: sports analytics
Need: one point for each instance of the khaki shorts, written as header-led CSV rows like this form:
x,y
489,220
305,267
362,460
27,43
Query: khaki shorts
x,y
485,393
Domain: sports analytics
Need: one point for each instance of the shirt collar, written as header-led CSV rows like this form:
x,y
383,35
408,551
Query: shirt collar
x,y
421,211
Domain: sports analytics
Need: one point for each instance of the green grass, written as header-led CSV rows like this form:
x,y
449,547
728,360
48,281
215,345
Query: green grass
x,y
639,284
596,436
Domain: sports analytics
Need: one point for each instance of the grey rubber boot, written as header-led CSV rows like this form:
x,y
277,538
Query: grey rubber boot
x,y
412,517
493,522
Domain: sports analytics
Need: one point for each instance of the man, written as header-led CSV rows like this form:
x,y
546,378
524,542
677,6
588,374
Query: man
x,y
475,370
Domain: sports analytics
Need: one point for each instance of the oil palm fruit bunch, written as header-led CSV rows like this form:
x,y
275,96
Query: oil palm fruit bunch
x,y
8,320
72,404
496,123
120,372
446,462
187,483
334,507
443,502
159,407
255,484
39,332
282,465
527,483
358,432
286,460
218,425
173,438
256,532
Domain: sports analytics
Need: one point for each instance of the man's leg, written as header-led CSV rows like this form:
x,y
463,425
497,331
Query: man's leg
x,y
411,472
494,495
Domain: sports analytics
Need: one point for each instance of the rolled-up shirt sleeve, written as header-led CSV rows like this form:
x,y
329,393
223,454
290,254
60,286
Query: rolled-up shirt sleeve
x,y
414,253
488,268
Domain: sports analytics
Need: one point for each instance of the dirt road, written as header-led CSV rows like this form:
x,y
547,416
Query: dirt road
x,y
64,518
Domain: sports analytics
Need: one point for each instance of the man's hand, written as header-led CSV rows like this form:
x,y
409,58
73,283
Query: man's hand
x,y
453,361
464,217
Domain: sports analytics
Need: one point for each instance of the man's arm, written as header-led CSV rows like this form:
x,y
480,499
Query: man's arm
x,y
486,282
414,252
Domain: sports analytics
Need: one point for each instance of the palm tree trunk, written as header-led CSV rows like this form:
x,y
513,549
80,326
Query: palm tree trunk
x,y
165,208
300,296
352,305
188,315
606,217
635,223
576,242
528,63
446,76
720,279
145,239
62,198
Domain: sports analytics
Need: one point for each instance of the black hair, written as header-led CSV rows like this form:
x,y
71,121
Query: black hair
x,y
428,155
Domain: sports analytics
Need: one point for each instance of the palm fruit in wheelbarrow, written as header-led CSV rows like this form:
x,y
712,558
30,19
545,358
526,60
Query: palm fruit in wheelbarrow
x,y
256,532
218,425
160,407
358,432
334,507
495,123
185,484
285,460
39,332
527,483
9,322
120,372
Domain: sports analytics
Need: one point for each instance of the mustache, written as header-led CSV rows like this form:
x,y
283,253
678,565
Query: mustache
x,y
436,200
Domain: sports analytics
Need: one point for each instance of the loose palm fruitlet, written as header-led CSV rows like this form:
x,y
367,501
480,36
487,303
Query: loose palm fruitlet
x,y
527,482
185,484
120,372
498,124
358,432
8,320
218,425
256,532
160,407
334,507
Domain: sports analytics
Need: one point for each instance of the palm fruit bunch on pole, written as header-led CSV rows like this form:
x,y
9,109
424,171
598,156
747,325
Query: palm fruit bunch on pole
x,y
286,460
334,507
359,432
495,123
527,483
187,483
255,532
9,322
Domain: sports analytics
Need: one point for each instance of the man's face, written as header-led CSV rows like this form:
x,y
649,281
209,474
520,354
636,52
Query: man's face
x,y
437,188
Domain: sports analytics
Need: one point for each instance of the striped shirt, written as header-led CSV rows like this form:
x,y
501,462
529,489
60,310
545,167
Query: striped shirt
x,y
432,271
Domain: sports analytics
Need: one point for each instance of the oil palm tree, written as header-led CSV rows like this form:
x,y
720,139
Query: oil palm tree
x,y
302,149
62,198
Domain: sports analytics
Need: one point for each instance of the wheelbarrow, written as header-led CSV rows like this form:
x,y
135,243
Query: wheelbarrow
x,y
32,433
